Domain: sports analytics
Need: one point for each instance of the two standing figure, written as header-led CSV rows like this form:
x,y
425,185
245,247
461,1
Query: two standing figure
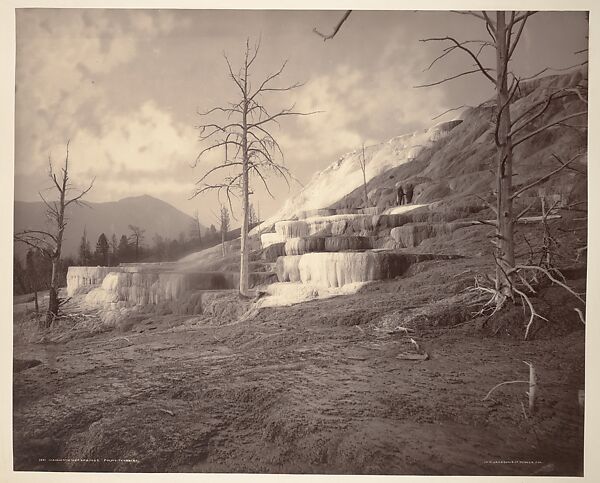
x,y
404,194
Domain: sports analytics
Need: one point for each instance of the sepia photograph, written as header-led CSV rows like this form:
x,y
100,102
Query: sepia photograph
x,y
299,242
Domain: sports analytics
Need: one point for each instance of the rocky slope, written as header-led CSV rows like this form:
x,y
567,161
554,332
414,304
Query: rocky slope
x,y
461,165
325,188
453,160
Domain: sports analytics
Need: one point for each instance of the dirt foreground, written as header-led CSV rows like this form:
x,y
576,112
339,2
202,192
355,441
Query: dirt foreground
x,y
329,386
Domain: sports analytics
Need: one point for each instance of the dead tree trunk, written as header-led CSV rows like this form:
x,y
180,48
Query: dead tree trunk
x,y
50,244
53,301
505,251
363,167
244,277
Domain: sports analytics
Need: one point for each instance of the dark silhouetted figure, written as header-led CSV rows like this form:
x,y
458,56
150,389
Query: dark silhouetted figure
x,y
409,193
400,195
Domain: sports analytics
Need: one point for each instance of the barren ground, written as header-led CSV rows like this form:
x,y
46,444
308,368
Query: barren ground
x,y
320,387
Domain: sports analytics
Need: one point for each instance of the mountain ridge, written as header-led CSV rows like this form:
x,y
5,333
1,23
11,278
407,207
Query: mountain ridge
x,y
152,214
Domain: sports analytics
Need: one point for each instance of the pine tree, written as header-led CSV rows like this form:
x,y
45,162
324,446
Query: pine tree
x,y
136,238
224,221
114,245
102,250
196,229
212,235
252,217
84,250
123,249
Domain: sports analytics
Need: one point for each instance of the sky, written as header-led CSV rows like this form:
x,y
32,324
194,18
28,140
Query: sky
x,y
125,87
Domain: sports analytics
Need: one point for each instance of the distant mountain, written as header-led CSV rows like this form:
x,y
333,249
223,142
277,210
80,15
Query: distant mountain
x,y
151,214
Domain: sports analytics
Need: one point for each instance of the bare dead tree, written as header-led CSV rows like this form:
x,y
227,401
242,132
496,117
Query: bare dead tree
x,y
243,130
136,237
49,242
363,167
505,32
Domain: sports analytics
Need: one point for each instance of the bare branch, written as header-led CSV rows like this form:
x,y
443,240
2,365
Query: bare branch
x,y
555,69
218,109
519,32
217,168
211,147
469,12
40,233
500,385
336,29
524,16
449,50
52,210
547,126
551,277
448,79
232,75
460,46
450,110
489,26
281,114
255,53
546,103
523,212
487,222
271,77
81,195
571,168
257,171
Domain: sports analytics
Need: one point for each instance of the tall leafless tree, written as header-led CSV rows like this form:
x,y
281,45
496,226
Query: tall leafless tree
x,y
243,129
505,32
363,167
49,242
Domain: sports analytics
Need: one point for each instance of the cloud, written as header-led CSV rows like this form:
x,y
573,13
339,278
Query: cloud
x,y
148,140
56,55
63,59
155,22
349,96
